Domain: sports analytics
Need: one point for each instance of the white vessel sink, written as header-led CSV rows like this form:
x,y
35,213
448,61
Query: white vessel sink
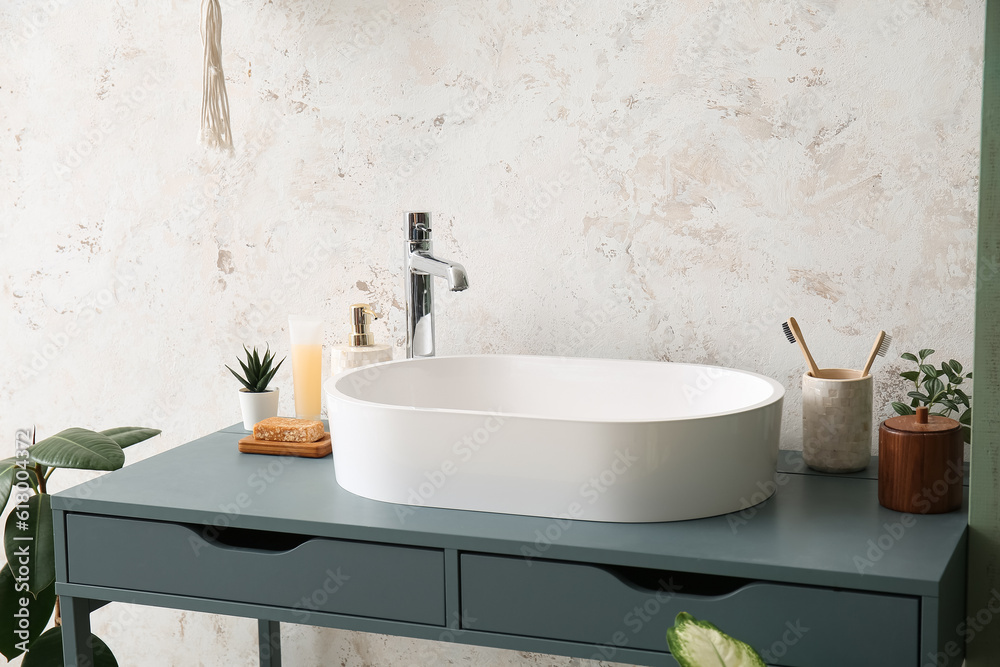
x,y
592,439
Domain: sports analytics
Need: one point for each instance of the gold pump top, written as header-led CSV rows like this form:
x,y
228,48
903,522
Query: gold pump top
x,y
361,322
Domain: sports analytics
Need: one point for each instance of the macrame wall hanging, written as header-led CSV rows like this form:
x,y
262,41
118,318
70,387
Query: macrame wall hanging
x,y
215,129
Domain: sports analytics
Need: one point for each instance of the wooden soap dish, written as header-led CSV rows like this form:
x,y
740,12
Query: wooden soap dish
x,y
310,450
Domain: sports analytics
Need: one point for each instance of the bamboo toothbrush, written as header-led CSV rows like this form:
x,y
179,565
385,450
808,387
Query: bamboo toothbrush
x,y
794,335
879,349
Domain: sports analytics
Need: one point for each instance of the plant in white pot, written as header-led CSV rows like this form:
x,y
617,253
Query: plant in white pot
x,y
257,401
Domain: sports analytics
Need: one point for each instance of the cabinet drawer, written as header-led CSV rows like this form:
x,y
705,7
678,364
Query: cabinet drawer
x,y
795,626
307,574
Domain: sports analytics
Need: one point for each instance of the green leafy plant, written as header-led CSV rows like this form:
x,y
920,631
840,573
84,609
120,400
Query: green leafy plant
x,y
257,372
27,590
695,643
938,389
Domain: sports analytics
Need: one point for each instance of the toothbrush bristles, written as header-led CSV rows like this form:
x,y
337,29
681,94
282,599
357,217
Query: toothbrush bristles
x,y
788,332
883,349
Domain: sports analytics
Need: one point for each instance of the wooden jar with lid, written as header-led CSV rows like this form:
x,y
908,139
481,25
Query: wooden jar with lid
x,y
920,463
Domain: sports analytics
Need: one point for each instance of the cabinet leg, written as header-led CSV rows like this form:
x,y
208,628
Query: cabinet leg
x,y
77,649
269,640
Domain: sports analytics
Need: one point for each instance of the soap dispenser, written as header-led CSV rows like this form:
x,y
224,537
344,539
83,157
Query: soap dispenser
x,y
361,349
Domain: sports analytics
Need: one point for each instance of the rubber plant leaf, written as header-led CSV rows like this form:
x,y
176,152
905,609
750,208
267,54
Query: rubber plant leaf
x,y
78,448
8,473
30,525
126,436
38,612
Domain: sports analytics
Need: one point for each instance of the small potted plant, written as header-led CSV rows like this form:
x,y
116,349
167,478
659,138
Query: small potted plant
x,y
939,389
257,402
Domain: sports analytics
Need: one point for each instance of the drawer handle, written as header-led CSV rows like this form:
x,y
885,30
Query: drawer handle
x,y
683,584
248,539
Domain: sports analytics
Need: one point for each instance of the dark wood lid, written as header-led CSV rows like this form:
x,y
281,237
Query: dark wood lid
x,y
922,422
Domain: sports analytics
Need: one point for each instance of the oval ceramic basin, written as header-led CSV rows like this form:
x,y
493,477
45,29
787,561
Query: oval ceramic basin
x,y
592,439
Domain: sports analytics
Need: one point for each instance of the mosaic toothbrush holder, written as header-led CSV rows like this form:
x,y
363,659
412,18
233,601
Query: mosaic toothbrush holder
x,y
837,420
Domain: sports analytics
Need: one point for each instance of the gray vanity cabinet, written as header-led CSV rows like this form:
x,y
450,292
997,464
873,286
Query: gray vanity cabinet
x,y
818,576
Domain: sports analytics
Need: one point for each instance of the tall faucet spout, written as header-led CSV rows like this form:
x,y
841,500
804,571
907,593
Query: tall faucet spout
x,y
453,272
421,268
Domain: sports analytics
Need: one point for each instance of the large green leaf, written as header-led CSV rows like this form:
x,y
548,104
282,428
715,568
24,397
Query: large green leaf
x,y
946,369
8,472
902,408
47,651
37,610
29,526
695,643
79,448
7,468
934,388
126,436
963,397
948,403
929,371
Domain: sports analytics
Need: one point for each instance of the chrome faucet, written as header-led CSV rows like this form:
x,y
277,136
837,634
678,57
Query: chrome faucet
x,y
421,267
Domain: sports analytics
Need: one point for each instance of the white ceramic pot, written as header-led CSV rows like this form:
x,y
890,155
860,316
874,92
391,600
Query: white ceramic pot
x,y
837,420
258,406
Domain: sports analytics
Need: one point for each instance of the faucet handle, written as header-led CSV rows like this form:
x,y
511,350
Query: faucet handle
x,y
418,226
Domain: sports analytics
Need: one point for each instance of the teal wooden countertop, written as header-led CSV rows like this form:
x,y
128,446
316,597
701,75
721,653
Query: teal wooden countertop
x,y
818,529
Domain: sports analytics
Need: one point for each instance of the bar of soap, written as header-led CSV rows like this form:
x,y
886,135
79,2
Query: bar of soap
x,y
286,429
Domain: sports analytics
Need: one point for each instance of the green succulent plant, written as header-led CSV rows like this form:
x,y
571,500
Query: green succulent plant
x,y
937,388
257,372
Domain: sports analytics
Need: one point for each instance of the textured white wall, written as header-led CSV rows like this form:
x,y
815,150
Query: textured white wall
x,y
651,180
